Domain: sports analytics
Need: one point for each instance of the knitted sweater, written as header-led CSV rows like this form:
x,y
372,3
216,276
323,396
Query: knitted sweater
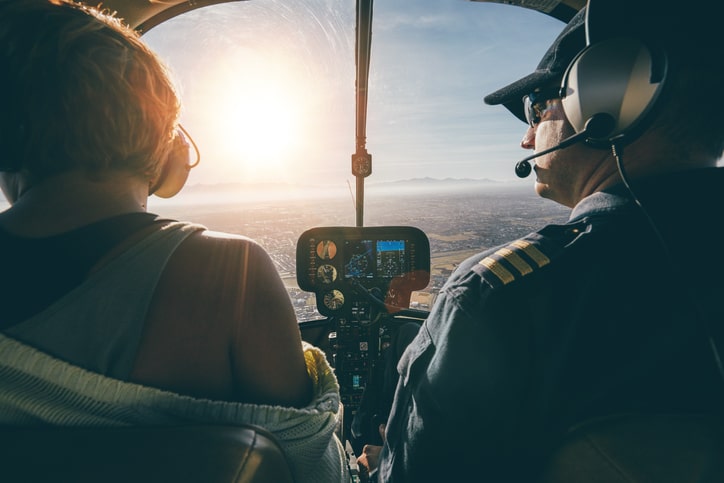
x,y
36,388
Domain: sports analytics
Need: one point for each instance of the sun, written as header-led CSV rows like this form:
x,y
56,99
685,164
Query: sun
x,y
257,121
254,111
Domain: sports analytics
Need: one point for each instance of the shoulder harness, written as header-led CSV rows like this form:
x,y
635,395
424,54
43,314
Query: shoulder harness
x,y
525,255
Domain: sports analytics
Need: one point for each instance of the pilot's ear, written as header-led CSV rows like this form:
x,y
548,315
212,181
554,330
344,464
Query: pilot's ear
x,y
175,169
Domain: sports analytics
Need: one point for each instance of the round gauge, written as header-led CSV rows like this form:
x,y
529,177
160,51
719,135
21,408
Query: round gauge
x,y
334,299
326,249
326,274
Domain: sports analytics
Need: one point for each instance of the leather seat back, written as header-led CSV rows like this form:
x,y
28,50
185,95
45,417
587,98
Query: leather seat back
x,y
203,454
642,448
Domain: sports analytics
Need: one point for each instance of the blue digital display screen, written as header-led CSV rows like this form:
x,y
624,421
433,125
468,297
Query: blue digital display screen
x,y
368,259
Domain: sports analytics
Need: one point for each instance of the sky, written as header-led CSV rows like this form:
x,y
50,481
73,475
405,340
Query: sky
x,y
268,88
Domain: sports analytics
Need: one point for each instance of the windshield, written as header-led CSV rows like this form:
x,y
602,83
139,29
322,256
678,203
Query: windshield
x,y
268,94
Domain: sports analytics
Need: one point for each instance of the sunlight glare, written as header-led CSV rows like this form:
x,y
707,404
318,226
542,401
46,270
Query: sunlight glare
x,y
256,115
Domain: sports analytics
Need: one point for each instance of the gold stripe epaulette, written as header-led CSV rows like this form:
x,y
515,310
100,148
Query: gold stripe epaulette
x,y
516,260
528,254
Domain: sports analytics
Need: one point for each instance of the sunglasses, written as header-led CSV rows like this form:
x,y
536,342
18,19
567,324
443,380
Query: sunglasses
x,y
535,104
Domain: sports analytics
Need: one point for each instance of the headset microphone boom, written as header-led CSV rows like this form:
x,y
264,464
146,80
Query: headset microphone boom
x,y
599,126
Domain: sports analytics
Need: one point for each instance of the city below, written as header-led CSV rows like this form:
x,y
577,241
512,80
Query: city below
x,y
459,217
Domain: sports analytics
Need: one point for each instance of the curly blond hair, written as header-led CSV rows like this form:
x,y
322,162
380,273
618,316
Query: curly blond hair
x,y
80,91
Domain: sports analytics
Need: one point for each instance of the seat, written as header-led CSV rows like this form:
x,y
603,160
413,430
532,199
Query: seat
x,y
188,454
642,448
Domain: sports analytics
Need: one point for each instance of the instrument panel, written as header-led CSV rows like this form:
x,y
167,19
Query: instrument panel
x,y
339,264
362,278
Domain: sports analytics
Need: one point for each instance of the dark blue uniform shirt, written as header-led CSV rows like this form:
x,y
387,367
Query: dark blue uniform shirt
x,y
590,318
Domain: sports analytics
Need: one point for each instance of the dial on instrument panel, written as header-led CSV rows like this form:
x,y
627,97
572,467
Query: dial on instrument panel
x,y
334,300
326,249
326,273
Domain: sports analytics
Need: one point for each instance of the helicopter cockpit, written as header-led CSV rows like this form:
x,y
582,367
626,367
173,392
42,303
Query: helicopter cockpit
x,y
287,103
364,269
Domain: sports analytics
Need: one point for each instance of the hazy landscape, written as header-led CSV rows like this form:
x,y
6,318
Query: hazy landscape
x,y
460,217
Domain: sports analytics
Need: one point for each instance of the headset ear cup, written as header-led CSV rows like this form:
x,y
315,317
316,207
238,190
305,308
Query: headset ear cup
x,y
617,77
175,169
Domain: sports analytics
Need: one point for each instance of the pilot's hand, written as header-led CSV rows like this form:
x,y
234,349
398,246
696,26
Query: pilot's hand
x,y
370,457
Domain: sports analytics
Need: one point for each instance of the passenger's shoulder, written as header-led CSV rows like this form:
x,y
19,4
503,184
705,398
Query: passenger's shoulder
x,y
220,237
215,253
513,261
211,242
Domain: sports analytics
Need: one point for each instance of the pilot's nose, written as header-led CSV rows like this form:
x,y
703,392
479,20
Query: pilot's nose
x,y
528,141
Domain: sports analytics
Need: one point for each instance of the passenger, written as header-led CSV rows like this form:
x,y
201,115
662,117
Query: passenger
x,y
112,315
618,310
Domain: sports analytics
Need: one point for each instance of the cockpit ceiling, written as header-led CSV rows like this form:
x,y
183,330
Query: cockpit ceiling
x,y
145,14
563,10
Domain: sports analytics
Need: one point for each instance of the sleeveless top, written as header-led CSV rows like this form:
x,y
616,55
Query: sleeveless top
x,y
98,322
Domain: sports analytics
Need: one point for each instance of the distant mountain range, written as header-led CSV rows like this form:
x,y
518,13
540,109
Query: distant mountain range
x,y
430,182
426,183
239,192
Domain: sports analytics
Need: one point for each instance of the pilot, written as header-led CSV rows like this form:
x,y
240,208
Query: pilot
x,y
616,311
111,315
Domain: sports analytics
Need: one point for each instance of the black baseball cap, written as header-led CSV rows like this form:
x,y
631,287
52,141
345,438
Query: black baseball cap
x,y
551,68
